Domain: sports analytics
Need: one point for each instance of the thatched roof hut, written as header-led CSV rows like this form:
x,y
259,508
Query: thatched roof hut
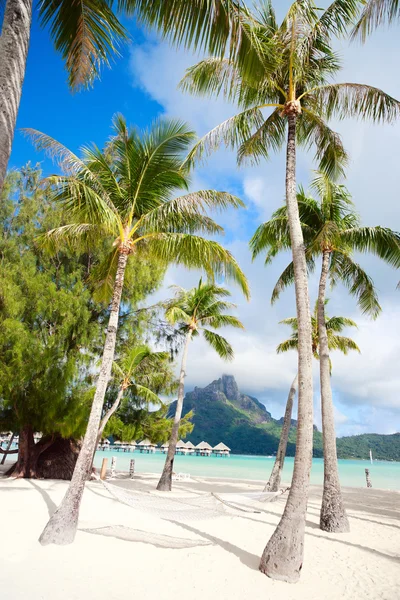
x,y
203,449
221,449
146,446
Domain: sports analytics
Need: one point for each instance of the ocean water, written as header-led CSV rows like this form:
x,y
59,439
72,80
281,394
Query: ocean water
x,y
384,474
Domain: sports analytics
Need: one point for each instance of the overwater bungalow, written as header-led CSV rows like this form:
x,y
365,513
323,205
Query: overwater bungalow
x,y
147,447
181,448
164,448
190,447
221,450
203,449
117,445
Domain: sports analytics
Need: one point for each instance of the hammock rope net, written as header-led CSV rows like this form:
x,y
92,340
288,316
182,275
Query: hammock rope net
x,y
189,508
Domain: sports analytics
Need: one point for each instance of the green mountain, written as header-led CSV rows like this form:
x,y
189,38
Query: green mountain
x,y
223,414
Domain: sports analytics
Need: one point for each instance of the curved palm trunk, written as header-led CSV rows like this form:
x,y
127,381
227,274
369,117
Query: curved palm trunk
x,y
109,414
61,528
14,45
165,482
333,515
283,556
276,473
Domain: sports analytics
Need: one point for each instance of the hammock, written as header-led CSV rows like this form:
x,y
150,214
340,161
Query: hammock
x,y
189,508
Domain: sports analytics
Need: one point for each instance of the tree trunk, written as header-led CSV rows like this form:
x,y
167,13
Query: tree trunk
x,y
28,454
62,526
25,467
283,556
165,482
333,515
7,450
14,45
109,414
275,477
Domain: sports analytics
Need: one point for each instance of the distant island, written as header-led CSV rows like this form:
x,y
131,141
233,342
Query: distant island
x,y
222,412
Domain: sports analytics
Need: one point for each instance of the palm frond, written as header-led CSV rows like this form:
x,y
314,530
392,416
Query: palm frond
x,y
343,344
272,236
290,344
337,324
219,344
343,100
381,241
195,252
375,13
86,33
146,394
330,154
357,281
218,321
232,132
270,135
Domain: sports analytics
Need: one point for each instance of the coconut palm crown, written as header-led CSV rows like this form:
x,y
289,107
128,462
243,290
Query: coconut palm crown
x,y
331,225
334,326
126,194
299,83
200,308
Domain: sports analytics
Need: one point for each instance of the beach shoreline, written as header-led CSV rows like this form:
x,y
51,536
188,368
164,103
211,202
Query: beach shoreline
x,y
119,550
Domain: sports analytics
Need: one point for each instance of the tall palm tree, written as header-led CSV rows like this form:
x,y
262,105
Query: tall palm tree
x,y
374,14
141,371
334,326
125,195
195,310
295,82
332,231
87,34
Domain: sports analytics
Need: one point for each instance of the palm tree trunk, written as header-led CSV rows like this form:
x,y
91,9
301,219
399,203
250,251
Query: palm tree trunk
x,y
109,414
14,45
165,482
283,556
61,528
275,477
333,514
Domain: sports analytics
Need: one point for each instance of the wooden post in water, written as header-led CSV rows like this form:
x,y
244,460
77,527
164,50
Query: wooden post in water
x,y
103,468
132,468
113,464
367,477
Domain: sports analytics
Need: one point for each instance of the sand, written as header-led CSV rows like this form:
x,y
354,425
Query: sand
x,y
139,555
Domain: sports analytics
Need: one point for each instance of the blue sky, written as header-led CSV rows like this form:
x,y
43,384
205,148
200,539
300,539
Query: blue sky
x,y
142,84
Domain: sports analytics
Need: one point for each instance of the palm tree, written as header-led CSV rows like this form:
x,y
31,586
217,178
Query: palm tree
x,y
295,82
87,34
334,326
140,371
125,195
332,230
374,14
195,310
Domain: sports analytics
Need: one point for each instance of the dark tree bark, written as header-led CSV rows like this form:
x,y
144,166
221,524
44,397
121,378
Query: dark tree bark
x,y
14,45
275,478
165,482
333,514
62,526
283,556
28,454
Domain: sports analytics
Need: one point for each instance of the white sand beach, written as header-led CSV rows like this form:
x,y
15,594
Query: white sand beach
x,y
142,556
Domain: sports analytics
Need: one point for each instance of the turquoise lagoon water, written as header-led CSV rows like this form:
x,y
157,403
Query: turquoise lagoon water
x,y
385,475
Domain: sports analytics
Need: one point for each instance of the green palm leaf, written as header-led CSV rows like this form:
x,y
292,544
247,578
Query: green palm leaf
x,y
86,33
219,343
